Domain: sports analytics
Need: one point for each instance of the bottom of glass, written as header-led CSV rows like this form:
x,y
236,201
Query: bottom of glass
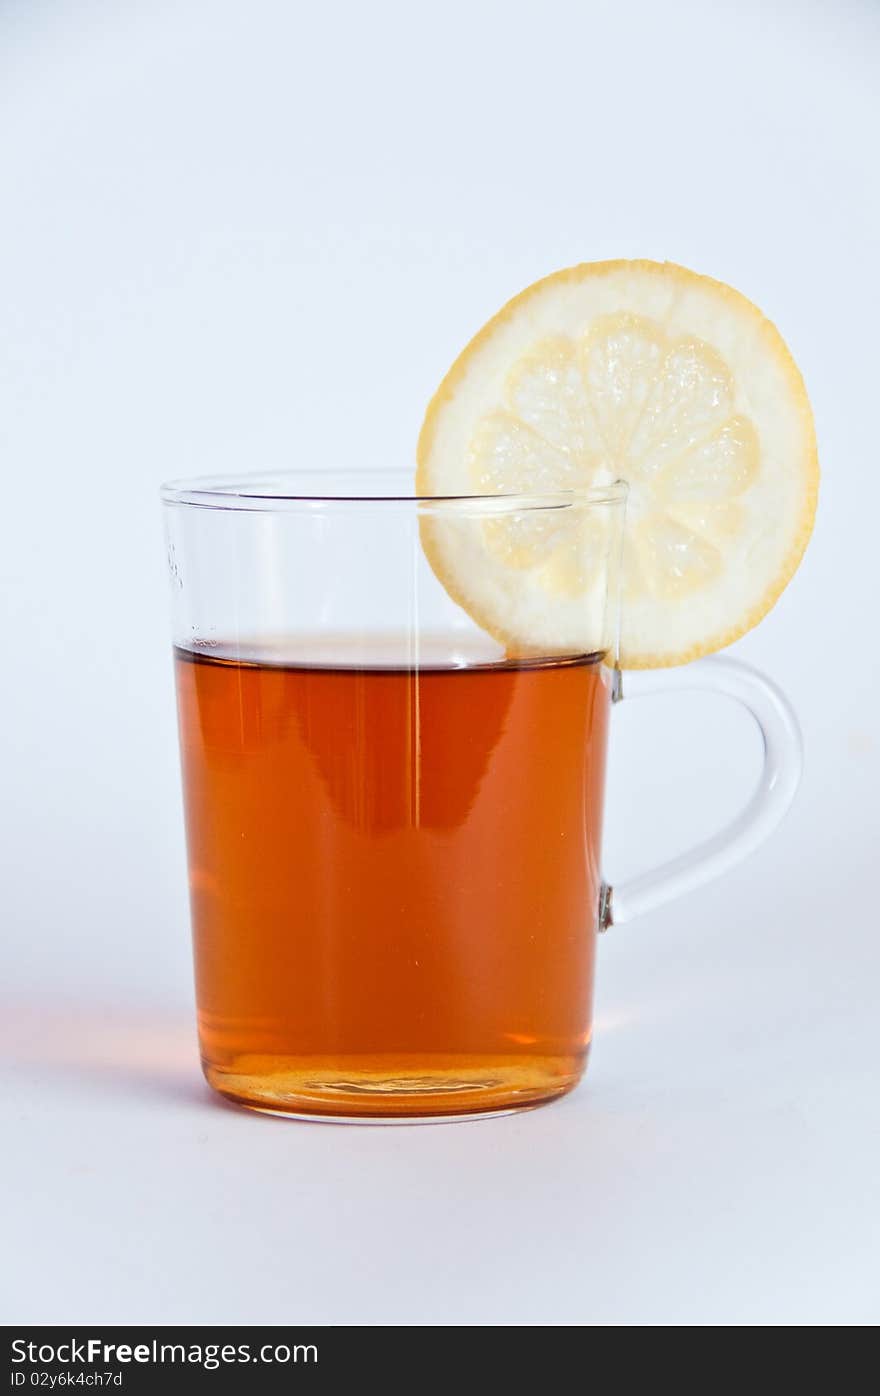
x,y
394,1090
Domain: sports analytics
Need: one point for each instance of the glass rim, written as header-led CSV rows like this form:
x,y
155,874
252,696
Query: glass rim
x,y
280,491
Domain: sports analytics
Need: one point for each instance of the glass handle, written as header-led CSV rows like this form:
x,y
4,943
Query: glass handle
x,y
780,776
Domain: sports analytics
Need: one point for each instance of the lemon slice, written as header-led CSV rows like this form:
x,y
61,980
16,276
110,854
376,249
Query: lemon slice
x,y
637,371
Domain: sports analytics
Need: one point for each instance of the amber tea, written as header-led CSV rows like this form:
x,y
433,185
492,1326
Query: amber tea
x,y
394,878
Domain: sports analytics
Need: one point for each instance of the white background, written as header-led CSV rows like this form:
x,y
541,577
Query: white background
x,y
250,236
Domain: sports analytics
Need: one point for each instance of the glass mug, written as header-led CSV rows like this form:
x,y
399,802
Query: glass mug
x,y
394,826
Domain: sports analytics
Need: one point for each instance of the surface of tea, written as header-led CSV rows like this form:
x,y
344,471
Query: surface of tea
x,y
394,878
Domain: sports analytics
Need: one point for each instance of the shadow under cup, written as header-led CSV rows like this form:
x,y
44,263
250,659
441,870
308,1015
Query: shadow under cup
x,y
393,820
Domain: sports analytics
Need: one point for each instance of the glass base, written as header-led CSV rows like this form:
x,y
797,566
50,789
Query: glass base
x,y
313,1118
394,1091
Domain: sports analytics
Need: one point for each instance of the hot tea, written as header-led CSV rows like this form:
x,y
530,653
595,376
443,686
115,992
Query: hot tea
x,y
394,876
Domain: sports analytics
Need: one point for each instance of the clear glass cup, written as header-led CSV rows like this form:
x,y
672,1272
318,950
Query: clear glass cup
x,y
393,820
